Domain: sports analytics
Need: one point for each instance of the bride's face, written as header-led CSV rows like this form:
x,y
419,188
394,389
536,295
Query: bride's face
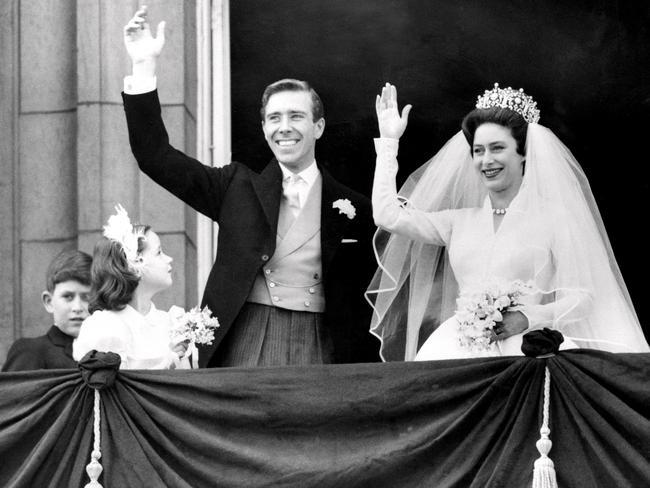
x,y
496,159
156,266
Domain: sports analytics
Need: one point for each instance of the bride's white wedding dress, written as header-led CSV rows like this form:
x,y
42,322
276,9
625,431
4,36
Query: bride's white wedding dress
x,y
521,246
445,240
478,254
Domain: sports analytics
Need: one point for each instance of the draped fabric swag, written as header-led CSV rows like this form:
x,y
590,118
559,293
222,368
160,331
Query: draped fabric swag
x,y
458,423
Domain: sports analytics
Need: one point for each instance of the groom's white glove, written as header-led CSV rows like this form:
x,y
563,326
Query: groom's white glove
x,y
143,49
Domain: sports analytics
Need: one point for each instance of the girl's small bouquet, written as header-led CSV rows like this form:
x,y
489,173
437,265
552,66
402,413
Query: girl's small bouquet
x,y
196,326
481,307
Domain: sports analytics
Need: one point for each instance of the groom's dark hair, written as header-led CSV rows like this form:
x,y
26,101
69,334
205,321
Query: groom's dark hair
x,y
289,84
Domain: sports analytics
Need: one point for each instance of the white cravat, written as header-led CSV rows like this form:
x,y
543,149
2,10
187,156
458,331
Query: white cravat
x,y
291,188
296,186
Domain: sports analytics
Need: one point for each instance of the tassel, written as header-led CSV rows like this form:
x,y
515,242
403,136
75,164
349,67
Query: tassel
x,y
544,469
94,468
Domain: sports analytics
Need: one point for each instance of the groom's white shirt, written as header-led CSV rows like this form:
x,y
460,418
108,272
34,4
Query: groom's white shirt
x,y
135,85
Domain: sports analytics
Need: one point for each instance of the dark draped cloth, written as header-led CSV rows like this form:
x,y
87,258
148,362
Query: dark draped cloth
x,y
456,423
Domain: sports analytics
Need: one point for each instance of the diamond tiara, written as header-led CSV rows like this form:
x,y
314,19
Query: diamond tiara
x,y
515,100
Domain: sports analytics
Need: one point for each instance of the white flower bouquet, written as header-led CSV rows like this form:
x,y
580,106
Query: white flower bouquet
x,y
197,325
481,307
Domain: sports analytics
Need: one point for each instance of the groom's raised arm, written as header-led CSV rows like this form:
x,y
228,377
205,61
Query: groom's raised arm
x,y
198,185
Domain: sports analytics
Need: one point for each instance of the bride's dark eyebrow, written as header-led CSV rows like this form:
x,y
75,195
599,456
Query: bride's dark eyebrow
x,y
489,144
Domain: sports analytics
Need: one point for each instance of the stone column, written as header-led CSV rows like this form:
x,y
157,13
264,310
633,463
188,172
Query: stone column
x,y
64,154
47,137
9,221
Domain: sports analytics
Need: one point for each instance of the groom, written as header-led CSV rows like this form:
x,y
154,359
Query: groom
x,y
294,253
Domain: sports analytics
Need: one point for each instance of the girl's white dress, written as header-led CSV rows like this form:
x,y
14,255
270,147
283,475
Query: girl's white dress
x,y
142,341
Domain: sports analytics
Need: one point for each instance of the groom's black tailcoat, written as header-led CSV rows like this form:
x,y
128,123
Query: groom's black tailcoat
x,y
246,207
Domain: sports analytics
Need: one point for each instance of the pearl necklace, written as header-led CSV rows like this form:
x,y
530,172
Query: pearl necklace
x,y
499,211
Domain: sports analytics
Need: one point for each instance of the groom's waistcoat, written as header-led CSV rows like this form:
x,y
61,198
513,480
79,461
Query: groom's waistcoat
x,y
292,278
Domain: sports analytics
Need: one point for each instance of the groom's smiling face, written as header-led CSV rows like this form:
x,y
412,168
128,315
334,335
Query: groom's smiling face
x,y
290,129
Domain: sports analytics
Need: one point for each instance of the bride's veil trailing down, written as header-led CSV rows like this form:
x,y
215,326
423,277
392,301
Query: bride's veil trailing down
x,y
583,292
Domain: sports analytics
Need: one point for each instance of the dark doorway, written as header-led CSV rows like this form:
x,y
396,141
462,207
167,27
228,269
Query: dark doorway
x,y
586,63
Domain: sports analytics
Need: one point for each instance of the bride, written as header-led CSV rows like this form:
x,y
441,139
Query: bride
x,y
503,201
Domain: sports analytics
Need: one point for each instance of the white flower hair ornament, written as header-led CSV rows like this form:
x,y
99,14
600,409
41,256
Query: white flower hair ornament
x,y
345,207
119,229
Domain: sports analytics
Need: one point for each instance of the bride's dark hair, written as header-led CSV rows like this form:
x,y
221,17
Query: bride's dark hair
x,y
496,115
113,282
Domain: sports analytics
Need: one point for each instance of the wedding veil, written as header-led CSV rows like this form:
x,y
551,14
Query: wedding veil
x,y
585,297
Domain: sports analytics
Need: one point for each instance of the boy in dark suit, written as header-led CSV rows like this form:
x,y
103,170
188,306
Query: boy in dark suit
x,y
66,298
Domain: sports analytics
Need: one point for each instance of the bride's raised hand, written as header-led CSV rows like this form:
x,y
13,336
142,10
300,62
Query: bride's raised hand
x,y
142,47
391,123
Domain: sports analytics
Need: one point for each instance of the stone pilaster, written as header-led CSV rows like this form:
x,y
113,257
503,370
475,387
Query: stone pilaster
x,y
47,181
64,156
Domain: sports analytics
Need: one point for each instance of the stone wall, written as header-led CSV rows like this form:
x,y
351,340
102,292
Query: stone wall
x,y
64,155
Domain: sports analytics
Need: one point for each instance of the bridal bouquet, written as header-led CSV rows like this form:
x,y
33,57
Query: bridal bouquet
x,y
196,326
480,308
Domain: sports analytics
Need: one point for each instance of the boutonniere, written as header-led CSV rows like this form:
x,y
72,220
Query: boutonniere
x,y
345,207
